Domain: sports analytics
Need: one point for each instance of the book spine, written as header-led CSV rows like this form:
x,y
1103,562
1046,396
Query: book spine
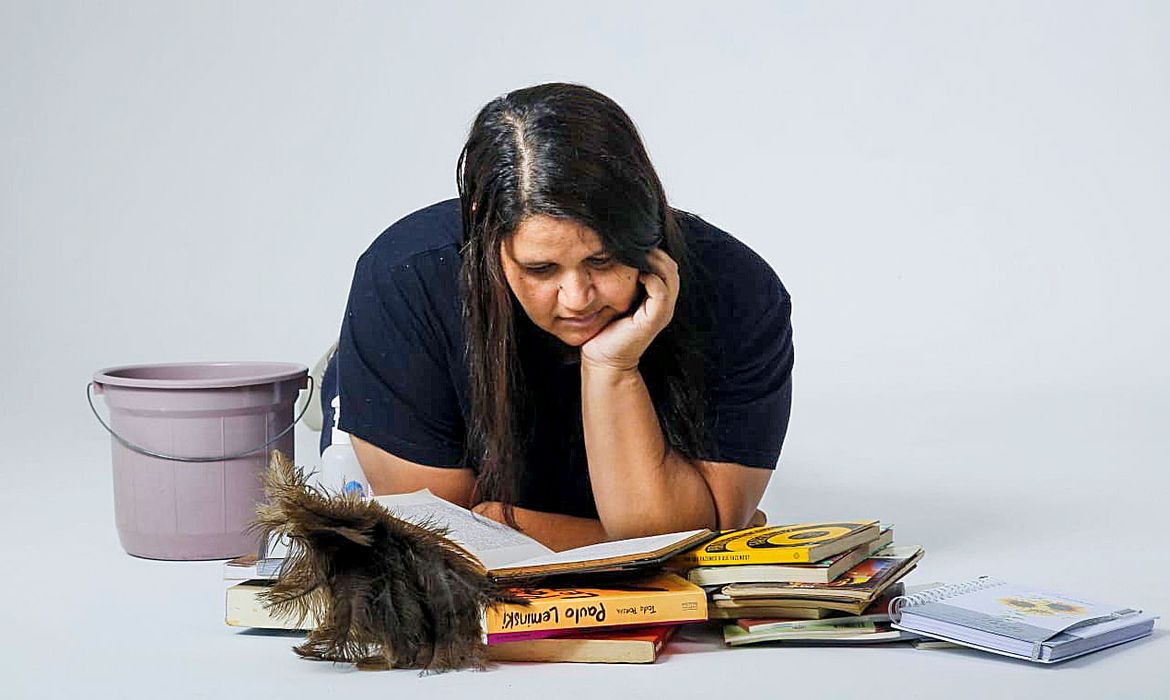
x,y
672,607
791,556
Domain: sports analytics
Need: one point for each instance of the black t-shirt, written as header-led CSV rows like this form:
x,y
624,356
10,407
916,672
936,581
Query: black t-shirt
x,y
403,380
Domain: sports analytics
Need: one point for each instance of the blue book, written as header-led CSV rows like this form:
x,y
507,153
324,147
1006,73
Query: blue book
x,y
1018,621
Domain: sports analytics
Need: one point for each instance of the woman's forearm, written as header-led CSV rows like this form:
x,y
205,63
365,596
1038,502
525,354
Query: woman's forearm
x,y
640,486
554,530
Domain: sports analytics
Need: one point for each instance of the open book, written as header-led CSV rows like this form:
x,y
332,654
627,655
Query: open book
x,y
507,554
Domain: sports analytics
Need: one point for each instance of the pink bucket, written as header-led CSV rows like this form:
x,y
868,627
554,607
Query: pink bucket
x,y
190,444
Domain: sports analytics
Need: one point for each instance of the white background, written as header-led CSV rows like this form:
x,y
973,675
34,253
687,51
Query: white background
x,y
967,202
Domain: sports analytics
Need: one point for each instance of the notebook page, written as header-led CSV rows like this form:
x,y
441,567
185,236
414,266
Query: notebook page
x,y
494,544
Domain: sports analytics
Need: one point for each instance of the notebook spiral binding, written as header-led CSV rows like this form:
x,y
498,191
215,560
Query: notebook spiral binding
x,y
934,595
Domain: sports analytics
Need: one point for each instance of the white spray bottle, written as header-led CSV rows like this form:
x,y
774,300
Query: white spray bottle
x,y
340,470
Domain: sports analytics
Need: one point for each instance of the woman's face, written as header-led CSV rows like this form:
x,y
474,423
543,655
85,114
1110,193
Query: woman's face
x,y
567,283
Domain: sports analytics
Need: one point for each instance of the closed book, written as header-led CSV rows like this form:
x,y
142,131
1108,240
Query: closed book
x,y
779,605
877,612
779,544
786,606
822,571
662,599
736,613
791,608
245,608
1018,621
835,632
863,582
640,645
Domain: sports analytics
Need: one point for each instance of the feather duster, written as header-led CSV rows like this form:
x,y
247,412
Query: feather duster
x,y
385,593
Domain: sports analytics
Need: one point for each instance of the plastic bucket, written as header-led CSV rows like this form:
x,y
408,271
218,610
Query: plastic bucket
x,y
190,444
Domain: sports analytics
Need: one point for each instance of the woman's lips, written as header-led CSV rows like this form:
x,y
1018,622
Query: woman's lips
x,y
580,321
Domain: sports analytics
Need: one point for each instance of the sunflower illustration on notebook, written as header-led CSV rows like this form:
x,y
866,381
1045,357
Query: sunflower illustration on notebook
x,y
1022,606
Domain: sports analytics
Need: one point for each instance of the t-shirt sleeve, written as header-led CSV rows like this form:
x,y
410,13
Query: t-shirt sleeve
x,y
393,364
749,396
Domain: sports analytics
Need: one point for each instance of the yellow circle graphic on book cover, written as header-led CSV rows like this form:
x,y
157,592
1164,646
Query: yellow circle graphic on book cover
x,y
1041,606
798,537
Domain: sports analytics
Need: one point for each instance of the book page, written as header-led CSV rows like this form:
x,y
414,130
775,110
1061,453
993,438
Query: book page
x,y
609,550
492,543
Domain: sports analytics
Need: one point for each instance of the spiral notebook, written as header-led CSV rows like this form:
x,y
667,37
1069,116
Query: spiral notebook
x,y
1017,621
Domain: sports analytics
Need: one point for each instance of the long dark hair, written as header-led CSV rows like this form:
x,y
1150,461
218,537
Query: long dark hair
x,y
563,151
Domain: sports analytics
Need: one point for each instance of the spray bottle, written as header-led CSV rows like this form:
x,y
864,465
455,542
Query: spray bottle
x,y
340,470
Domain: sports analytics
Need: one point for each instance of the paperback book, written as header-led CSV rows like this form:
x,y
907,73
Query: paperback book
x,y
837,631
661,599
821,572
877,612
852,592
640,645
779,544
722,607
720,610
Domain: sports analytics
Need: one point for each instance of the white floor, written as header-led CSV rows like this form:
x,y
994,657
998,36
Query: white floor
x,y
1054,488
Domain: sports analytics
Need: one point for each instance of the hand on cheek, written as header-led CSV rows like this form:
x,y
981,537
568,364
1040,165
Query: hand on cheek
x,y
620,344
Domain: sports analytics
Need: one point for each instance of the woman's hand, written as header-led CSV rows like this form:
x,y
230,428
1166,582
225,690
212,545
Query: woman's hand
x,y
491,509
620,344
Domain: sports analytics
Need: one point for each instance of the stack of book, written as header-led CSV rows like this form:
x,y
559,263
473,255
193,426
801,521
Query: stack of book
x,y
809,584
609,602
812,583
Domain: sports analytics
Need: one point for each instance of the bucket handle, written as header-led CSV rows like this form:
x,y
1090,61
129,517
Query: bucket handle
x,y
200,460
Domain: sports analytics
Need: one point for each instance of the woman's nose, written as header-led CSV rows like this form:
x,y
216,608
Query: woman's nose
x,y
576,291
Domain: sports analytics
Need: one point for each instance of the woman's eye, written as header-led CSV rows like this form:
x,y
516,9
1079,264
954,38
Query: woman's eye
x,y
601,262
538,269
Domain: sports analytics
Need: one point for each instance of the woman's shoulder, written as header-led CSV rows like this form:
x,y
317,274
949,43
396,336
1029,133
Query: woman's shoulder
x,y
434,230
726,267
741,313
413,267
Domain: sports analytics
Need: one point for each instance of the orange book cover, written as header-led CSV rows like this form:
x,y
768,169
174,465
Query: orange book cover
x,y
655,600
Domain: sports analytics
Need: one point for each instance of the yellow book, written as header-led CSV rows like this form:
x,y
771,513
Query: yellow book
x,y
780,544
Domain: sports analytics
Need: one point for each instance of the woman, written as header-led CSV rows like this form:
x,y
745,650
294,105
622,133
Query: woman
x,y
559,348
